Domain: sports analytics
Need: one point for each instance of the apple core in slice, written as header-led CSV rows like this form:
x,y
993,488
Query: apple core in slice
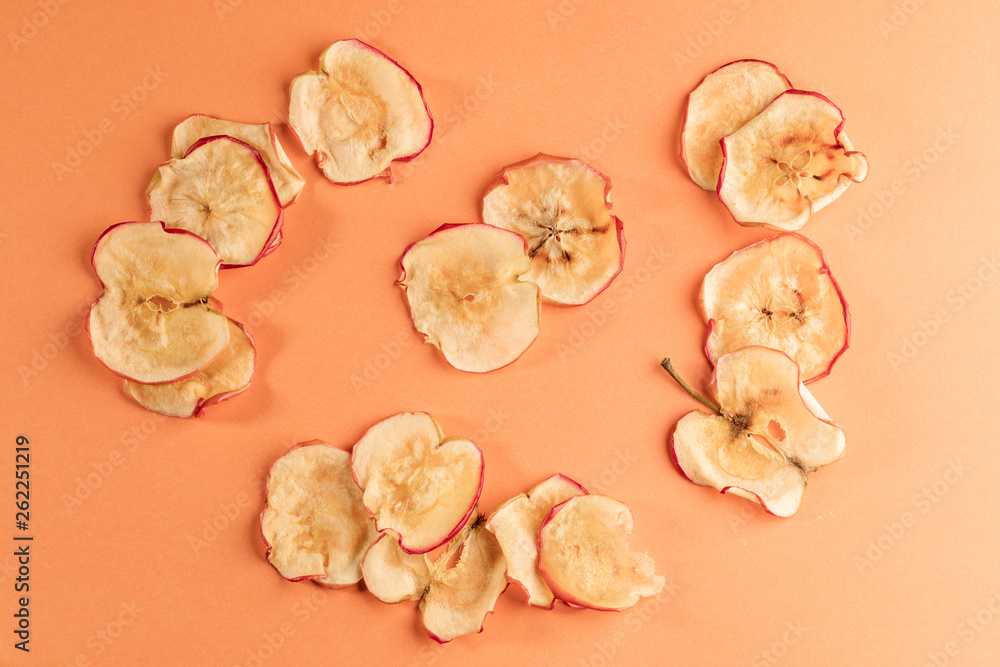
x,y
358,112
561,208
314,525
467,297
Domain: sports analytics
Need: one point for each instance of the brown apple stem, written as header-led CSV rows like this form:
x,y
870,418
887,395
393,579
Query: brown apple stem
x,y
669,367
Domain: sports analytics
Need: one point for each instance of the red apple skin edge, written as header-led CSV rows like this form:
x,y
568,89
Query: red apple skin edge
x,y
446,227
86,324
199,410
824,268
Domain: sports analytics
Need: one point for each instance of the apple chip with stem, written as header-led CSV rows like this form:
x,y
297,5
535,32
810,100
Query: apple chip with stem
x,y
358,112
416,483
455,596
287,181
222,191
724,101
153,323
228,375
314,524
766,431
516,524
778,293
584,556
561,206
787,162
467,296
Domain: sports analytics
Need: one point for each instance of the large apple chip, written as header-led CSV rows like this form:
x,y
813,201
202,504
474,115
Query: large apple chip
x,y
153,323
222,191
561,207
778,293
315,525
358,112
466,295
788,162
722,103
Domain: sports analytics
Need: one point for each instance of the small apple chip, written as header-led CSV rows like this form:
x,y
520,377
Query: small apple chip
x,y
314,525
358,112
561,207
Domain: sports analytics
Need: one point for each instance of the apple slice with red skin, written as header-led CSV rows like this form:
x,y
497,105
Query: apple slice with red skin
x,y
314,523
467,297
766,433
222,191
584,557
724,101
561,206
226,376
778,293
455,597
416,483
358,112
153,323
788,162
287,181
516,524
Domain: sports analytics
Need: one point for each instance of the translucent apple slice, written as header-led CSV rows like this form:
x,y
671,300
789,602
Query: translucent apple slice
x,y
766,434
562,209
778,293
467,297
788,162
358,112
584,557
315,525
455,596
228,375
723,102
153,323
222,191
287,181
516,524
418,485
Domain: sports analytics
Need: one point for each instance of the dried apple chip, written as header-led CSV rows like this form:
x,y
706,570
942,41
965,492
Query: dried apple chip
x,y
788,162
516,524
358,112
417,484
466,295
766,433
153,323
228,375
583,555
778,293
315,525
722,103
222,191
562,209
287,181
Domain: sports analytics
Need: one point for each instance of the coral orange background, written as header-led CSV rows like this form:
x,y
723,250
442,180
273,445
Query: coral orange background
x,y
893,556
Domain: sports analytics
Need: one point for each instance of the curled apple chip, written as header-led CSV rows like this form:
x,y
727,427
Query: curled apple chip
x,y
788,162
584,557
315,525
778,293
467,297
222,191
418,485
358,112
455,597
225,376
153,323
766,434
516,524
722,103
287,181
562,209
